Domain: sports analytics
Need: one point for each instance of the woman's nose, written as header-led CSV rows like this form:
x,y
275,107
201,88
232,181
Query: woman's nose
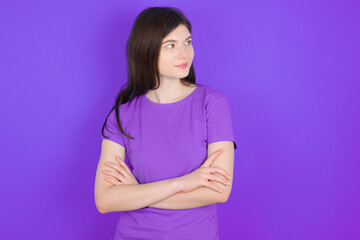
x,y
183,52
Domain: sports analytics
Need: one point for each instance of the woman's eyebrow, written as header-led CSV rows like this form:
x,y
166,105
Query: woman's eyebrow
x,y
171,40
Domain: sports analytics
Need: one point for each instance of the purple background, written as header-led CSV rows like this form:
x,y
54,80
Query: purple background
x,y
289,69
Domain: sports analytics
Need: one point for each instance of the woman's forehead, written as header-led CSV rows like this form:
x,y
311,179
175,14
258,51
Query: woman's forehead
x,y
179,33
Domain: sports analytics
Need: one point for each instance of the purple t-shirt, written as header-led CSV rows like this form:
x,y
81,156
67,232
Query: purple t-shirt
x,y
170,141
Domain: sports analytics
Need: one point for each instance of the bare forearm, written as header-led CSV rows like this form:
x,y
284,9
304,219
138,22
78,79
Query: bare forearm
x,y
127,197
197,198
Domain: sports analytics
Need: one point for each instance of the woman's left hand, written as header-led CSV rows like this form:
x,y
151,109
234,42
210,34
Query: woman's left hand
x,y
121,173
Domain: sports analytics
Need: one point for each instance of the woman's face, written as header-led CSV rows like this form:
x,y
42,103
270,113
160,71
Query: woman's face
x,y
176,49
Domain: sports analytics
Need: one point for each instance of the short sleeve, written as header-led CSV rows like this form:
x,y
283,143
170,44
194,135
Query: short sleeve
x,y
113,131
219,122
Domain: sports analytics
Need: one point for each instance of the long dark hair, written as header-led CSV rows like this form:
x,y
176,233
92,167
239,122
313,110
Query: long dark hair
x,y
142,51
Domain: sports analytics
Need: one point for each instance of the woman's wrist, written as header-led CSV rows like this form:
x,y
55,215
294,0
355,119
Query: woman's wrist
x,y
177,184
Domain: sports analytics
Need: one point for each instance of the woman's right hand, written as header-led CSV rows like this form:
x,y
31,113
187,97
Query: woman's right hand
x,y
201,176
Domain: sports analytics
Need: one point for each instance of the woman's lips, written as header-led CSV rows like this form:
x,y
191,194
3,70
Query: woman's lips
x,y
182,65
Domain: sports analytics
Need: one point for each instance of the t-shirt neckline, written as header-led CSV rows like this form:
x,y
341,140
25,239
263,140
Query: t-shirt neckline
x,y
165,105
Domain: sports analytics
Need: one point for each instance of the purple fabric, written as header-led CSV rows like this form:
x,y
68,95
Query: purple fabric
x,y
170,141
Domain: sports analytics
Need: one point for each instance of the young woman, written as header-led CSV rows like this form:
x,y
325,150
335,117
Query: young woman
x,y
176,135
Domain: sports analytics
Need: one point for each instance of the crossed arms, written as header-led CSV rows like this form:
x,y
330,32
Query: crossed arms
x,y
164,194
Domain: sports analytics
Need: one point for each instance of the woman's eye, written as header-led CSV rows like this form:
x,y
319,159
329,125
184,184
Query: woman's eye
x,y
167,46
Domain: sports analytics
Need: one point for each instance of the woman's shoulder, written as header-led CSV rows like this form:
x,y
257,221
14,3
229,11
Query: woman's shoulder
x,y
210,93
126,108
